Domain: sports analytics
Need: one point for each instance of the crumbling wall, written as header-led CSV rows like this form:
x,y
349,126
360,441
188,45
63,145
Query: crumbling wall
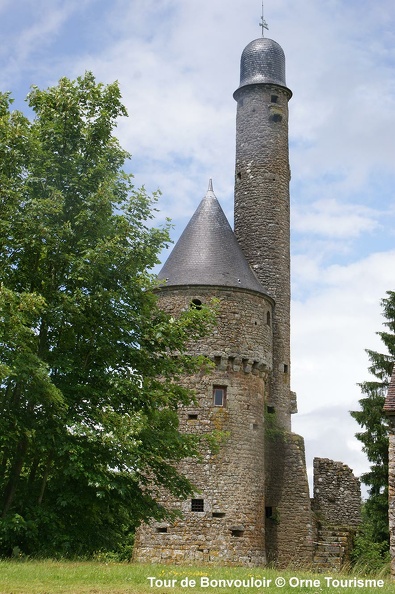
x,y
391,493
337,509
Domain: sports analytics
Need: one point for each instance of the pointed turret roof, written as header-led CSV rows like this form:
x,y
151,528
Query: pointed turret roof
x,y
389,405
207,253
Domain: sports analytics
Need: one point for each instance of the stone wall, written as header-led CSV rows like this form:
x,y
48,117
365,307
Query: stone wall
x,y
391,492
337,509
223,523
289,532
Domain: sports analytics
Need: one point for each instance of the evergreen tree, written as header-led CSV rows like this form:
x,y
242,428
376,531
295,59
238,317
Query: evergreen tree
x,y
88,378
374,435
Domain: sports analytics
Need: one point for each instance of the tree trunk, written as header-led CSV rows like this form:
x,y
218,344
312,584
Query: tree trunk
x,y
15,474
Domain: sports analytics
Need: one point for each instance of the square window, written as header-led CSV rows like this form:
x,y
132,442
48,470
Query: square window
x,y
197,505
219,395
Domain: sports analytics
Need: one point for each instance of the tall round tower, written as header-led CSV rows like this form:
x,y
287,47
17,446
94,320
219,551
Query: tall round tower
x,y
223,523
262,177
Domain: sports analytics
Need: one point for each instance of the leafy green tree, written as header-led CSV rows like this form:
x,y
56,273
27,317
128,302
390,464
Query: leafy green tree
x,y
88,378
374,437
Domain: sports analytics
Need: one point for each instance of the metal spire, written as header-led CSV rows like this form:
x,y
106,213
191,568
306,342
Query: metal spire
x,y
263,24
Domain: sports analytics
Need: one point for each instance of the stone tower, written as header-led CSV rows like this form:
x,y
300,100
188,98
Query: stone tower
x,y
261,209
224,522
262,227
252,502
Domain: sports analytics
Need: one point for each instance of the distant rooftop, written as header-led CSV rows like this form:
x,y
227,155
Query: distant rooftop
x,y
207,253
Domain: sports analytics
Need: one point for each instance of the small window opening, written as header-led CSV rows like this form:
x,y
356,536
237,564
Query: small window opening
x,y
238,175
285,368
269,512
271,410
197,505
196,304
255,427
219,514
268,319
276,117
237,533
192,417
274,98
219,395
161,530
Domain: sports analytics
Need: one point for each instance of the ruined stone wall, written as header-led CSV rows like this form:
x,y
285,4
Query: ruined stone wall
x,y
337,493
391,492
229,526
337,508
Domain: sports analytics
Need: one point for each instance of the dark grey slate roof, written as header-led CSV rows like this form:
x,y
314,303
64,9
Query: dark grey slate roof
x,y
208,253
262,61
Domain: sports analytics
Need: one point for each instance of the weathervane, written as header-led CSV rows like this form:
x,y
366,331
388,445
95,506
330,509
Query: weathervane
x,y
263,23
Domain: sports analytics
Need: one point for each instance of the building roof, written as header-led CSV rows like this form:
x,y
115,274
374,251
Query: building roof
x,y
389,405
262,61
207,253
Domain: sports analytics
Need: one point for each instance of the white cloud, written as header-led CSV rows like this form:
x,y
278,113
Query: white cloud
x,y
331,218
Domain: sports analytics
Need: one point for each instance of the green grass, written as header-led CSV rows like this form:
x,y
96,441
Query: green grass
x,y
52,577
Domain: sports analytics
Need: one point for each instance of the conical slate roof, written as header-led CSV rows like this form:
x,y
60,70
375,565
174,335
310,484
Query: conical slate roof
x,y
208,253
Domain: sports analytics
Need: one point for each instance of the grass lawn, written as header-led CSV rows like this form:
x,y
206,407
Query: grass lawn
x,y
52,577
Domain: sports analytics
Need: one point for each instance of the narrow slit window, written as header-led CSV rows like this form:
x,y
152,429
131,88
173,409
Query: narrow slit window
x,y
219,395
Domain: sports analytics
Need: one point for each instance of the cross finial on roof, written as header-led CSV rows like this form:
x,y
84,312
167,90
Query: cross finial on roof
x,y
263,24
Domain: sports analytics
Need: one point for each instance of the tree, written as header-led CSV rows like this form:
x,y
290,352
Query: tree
x,y
374,436
88,378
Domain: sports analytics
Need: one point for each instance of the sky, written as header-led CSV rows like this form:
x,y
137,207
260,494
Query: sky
x,y
177,63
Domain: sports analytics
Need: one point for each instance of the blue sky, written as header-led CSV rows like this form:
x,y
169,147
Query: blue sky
x,y
177,62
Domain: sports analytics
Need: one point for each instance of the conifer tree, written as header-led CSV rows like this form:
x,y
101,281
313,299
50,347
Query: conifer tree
x,y
374,434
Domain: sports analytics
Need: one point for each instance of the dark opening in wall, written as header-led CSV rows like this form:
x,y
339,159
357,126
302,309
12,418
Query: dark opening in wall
x,y
268,319
161,530
274,98
276,117
197,505
269,512
196,304
271,410
219,395
255,427
192,417
218,514
238,175
285,368
237,533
